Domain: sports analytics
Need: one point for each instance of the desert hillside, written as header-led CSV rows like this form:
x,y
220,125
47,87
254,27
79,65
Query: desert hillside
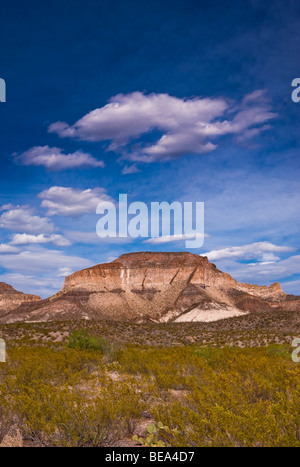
x,y
148,287
11,299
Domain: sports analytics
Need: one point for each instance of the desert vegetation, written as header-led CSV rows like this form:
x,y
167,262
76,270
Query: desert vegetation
x,y
81,388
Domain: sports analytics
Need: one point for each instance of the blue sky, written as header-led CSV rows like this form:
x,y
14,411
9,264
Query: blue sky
x,y
173,100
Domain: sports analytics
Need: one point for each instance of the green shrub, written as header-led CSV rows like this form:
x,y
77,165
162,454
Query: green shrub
x,y
82,340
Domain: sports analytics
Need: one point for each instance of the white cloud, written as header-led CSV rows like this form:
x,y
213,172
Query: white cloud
x,y
5,248
41,260
189,126
172,238
54,159
64,272
265,266
22,218
6,207
265,272
27,239
261,251
291,287
72,202
44,286
130,169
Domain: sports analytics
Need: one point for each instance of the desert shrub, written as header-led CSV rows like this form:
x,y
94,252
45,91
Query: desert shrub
x,y
83,340
65,399
6,417
282,351
206,396
70,418
172,368
109,349
249,399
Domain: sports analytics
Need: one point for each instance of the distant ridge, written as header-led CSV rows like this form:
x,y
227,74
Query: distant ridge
x,y
11,299
154,287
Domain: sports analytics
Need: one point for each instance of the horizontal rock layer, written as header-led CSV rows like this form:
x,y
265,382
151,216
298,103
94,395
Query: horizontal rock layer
x,y
159,287
11,299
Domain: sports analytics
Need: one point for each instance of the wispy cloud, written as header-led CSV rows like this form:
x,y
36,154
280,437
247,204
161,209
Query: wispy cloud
x,y
261,251
72,202
259,263
6,248
54,159
38,284
189,126
63,272
130,169
263,272
171,238
38,270
291,287
41,260
27,239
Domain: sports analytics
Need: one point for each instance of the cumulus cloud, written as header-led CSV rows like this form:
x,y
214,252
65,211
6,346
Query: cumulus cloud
x,y
54,159
23,218
261,251
188,126
27,239
72,202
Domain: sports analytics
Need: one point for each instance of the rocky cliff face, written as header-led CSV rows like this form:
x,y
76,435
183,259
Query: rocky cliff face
x,y
144,270
11,299
159,287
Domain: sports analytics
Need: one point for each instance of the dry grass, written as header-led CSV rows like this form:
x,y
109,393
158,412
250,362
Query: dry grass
x,y
230,383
